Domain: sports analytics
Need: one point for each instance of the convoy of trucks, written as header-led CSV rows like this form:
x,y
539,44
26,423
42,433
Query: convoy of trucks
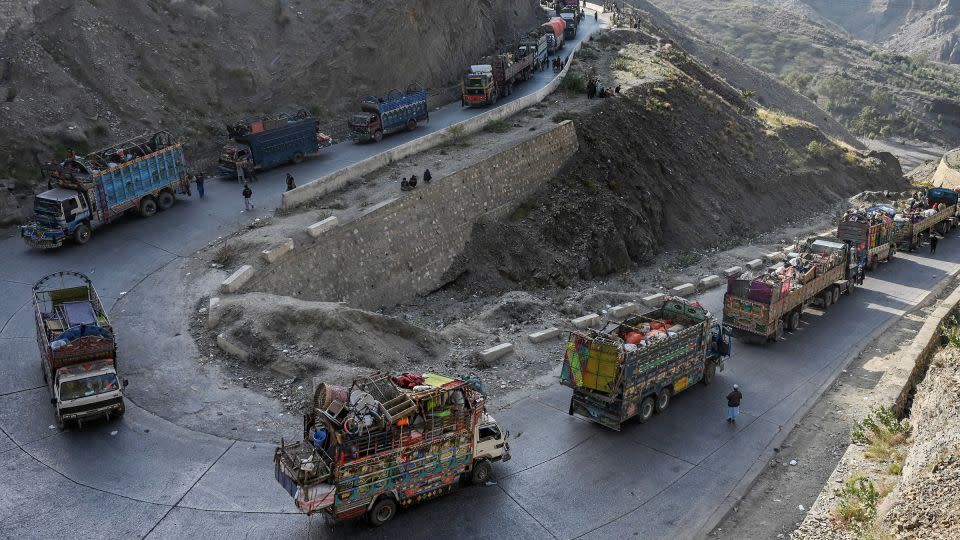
x,y
634,368
383,116
386,442
78,351
268,142
142,174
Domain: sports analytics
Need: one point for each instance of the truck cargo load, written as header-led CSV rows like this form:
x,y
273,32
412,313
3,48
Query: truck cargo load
x,y
635,367
555,28
760,308
77,349
870,235
911,226
494,78
535,44
267,142
388,441
383,116
142,174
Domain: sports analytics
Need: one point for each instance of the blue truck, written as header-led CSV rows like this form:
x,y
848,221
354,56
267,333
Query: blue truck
x,y
383,116
265,143
141,175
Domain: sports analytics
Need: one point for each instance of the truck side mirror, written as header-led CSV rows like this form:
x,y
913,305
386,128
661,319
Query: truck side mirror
x,y
126,382
53,401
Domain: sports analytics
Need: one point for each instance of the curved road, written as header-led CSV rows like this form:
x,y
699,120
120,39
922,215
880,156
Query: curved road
x,y
192,458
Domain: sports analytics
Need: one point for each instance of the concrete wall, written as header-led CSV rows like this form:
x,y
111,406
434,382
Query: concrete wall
x,y
404,247
338,179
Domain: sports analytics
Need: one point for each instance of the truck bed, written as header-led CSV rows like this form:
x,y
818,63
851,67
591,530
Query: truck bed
x,y
72,326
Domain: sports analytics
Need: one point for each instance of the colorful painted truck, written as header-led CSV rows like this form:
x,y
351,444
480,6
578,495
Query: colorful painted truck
x,y
387,442
383,116
870,235
635,367
77,349
554,30
912,227
141,174
269,142
760,309
535,44
494,79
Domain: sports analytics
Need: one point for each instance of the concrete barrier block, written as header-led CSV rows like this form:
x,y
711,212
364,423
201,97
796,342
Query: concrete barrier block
x,y
624,309
213,312
543,335
285,368
733,271
231,347
710,282
587,321
683,290
237,279
774,256
495,352
271,255
323,226
754,264
654,300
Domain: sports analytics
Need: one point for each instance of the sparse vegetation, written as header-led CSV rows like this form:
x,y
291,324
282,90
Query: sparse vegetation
x,y
573,82
458,137
226,254
857,502
685,259
821,150
497,126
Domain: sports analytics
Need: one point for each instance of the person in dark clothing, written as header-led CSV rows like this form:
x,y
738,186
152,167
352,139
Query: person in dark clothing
x,y
933,243
617,89
594,16
733,404
247,193
198,179
427,176
404,186
290,183
413,181
591,87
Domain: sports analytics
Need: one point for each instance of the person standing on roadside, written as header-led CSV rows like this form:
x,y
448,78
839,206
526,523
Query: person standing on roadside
x,y
733,404
427,176
933,243
198,179
247,193
290,182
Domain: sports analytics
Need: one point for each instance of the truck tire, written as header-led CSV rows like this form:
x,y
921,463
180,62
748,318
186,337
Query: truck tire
x,y
297,157
793,321
826,298
663,399
378,135
382,512
82,234
647,406
165,200
778,331
148,207
709,372
411,124
835,292
61,423
872,265
493,98
481,472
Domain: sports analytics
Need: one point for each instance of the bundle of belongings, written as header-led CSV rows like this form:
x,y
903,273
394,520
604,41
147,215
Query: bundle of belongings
x,y
649,333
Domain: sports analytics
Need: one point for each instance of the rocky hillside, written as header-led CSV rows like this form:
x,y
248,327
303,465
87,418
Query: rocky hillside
x,y
681,164
872,91
81,73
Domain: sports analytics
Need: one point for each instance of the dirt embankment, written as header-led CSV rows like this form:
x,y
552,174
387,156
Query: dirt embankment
x,y
667,166
79,74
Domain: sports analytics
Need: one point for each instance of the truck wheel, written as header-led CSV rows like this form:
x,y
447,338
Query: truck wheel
x,y
165,200
663,399
836,294
647,407
120,411
61,423
709,372
411,124
378,135
793,321
481,472
872,265
297,157
148,207
777,332
382,512
82,234
826,298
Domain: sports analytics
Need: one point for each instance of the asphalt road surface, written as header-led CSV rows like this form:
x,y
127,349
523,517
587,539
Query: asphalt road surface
x,y
183,463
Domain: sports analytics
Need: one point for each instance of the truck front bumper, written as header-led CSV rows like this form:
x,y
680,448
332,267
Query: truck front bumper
x,y
102,410
42,238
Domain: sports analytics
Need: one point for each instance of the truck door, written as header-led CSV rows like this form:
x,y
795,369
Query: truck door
x,y
489,441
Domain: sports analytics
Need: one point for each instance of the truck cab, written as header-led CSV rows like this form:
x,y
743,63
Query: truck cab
x,y
490,444
57,215
87,391
366,126
478,86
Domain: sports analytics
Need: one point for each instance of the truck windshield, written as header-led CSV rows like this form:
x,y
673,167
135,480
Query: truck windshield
x,y
489,431
89,386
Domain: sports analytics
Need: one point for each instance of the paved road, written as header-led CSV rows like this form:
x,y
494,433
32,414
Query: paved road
x,y
175,467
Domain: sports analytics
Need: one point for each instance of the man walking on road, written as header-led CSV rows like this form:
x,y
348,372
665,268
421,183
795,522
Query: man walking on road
x,y
733,404
247,193
199,180
933,243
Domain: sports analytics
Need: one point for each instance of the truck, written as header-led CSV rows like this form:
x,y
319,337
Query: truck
x,y
78,351
141,175
268,142
534,44
386,442
870,235
554,30
494,79
571,21
759,309
634,368
382,116
912,226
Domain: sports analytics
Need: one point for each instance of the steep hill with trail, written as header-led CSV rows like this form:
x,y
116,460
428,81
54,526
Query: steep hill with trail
x,y
82,73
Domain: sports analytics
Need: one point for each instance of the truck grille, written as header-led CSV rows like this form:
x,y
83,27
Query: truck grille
x,y
91,406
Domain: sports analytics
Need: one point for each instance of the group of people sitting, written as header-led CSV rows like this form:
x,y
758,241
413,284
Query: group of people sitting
x,y
596,89
411,183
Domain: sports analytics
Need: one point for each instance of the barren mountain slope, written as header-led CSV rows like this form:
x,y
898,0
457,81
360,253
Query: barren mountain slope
x,y
80,73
